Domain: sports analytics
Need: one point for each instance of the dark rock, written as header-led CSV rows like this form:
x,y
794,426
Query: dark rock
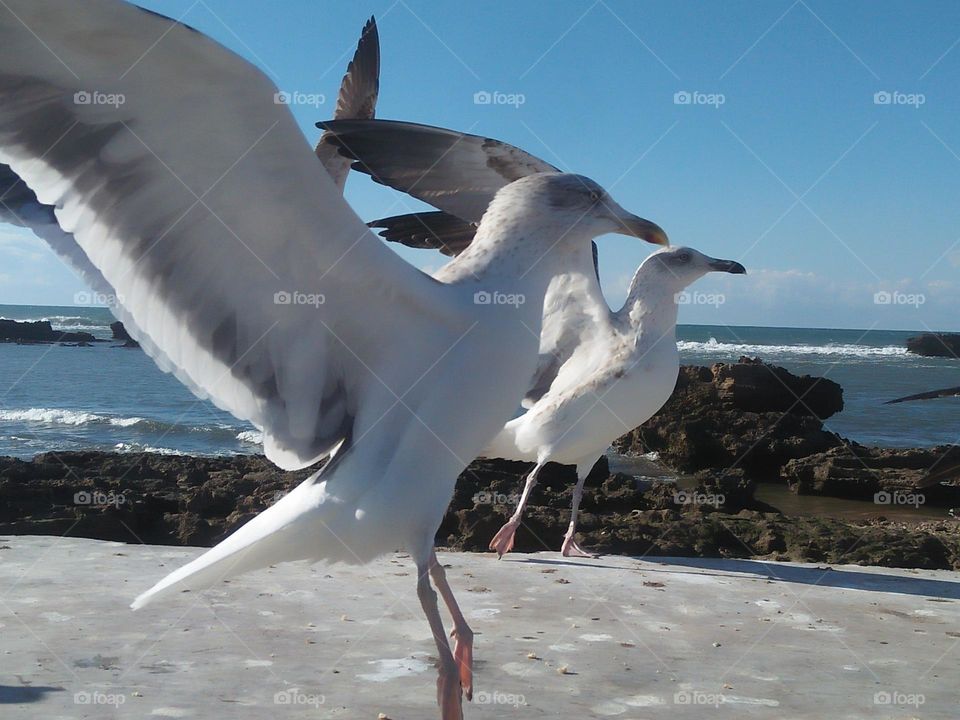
x,y
748,415
40,331
935,344
884,475
120,333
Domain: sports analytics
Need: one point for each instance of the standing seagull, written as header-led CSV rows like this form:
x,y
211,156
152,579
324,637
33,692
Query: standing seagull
x,y
601,373
238,267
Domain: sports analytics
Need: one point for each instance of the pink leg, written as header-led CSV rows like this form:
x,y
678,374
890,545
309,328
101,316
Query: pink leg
x,y
462,634
570,547
503,541
449,693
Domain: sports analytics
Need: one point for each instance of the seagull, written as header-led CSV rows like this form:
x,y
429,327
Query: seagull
x,y
239,267
601,373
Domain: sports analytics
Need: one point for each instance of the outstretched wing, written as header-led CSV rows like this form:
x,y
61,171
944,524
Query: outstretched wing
x,y
428,230
453,171
931,395
192,193
357,99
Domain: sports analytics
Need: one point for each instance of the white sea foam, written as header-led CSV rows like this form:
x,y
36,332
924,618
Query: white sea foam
x,y
56,416
254,437
138,448
712,346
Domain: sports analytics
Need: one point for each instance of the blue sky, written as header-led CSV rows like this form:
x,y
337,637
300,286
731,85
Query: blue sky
x,y
785,159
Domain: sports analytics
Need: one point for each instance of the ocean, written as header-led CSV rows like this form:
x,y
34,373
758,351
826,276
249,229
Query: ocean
x,y
110,398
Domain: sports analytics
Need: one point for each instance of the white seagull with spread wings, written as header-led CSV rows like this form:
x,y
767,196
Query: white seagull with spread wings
x,y
182,188
601,373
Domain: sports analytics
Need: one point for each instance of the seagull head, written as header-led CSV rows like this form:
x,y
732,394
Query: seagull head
x,y
576,207
680,266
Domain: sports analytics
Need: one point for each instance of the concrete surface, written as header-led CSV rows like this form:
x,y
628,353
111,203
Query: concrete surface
x,y
616,637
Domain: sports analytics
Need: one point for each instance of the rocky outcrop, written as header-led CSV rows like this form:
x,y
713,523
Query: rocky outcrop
x,y
120,333
749,415
40,331
198,501
887,476
935,344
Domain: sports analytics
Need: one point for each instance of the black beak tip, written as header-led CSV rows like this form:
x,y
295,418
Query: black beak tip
x,y
737,269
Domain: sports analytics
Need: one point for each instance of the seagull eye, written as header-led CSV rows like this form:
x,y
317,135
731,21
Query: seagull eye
x,y
683,257
595,196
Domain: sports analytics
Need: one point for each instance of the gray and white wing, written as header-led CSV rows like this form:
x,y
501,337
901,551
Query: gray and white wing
x,y
453,171
357,99
428,230
195,198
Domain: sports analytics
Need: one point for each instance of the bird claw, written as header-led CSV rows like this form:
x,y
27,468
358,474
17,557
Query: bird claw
x,y
463,655
572,549
503,541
